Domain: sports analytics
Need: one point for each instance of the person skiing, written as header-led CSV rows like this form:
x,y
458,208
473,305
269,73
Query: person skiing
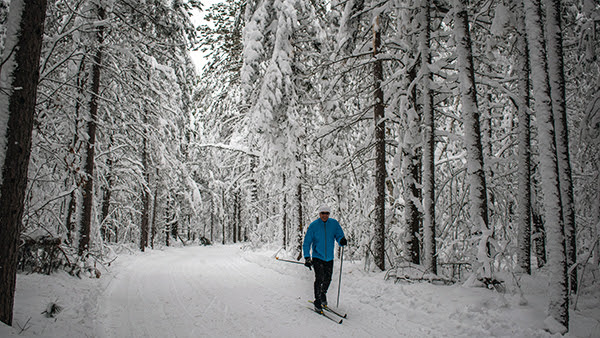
x,y
320,238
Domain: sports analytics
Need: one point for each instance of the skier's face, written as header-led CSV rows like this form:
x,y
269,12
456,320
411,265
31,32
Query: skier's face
x,y
324,216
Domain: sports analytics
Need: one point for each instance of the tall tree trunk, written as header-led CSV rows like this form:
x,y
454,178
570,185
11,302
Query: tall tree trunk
x,y
558,294
238,220
88,188
380,170
428,161
212,218
154,211
254,191
71,219
284,211
300,232
75,163
224,215
25,27
146,193
556,76
595,233
236,208
471,124
524,137
107,192
538,233
168,220
410,173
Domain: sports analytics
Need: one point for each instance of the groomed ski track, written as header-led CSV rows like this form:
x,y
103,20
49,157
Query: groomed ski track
x,y
223,291
215,292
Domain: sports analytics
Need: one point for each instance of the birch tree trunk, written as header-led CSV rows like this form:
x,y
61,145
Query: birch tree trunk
x,y
88,187
556,75
558,308
380,171
524,137
21,55
471,124
428,162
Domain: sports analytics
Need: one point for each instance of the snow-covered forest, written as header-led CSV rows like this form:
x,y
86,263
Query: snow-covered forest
x,y
461,138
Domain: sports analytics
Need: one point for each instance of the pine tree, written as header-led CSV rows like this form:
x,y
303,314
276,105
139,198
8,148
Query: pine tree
x,y
380,161
472,135
429,223
20,70
556,76
558,307
524,135
88,188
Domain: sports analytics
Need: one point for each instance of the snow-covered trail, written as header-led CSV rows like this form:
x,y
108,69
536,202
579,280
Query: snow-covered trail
x,y
214,291
199,291
222,291
227,292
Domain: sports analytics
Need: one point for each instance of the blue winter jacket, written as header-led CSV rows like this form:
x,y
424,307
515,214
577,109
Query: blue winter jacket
x,y
320,238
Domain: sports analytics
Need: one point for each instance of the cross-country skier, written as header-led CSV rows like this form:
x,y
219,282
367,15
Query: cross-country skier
x,y
320,239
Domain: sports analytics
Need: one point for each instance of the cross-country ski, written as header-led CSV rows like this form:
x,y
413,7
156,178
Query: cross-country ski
x,y
329,309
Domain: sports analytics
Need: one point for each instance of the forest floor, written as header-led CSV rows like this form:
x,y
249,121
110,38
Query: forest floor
x,y
223,291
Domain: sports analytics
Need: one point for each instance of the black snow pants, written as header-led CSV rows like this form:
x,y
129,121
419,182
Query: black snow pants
x,y
323,271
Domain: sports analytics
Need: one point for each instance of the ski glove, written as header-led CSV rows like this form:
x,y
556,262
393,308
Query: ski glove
x,y
308,262
343,241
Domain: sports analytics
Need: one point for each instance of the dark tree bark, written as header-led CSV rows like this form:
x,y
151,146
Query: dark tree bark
x,y
146,193
236,217
470,118
212,219
75,164
106,195
556,74
411,176
169,220
558,306
238,221
538,237
88,187
284,211
154,208
380,170
428,179
524,137
224,215
300,231
24,55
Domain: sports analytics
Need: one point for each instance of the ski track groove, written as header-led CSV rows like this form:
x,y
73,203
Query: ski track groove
x,y
177,293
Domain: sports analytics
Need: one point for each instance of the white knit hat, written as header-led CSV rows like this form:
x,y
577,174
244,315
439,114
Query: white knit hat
x,y
324,208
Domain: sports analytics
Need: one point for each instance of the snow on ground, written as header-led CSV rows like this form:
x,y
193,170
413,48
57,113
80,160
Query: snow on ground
x,y
228,292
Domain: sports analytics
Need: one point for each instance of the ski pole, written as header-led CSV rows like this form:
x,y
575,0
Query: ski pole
x,y
340,281
287,260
